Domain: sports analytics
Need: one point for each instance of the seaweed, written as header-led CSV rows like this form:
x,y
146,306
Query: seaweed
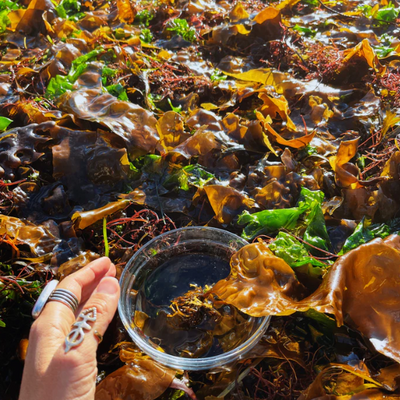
x,y
278,121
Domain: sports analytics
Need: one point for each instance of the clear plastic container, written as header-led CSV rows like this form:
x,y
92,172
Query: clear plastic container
x,y
145,264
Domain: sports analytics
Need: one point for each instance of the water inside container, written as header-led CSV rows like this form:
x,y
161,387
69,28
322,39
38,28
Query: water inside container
x,y
173,277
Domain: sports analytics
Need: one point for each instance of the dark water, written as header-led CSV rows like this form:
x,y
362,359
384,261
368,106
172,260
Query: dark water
x,y
173,279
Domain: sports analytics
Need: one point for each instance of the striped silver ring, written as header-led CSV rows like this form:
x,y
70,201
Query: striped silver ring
x,y
66,297
42,299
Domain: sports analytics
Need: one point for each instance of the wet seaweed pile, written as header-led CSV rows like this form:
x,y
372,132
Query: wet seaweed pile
x,y
276,120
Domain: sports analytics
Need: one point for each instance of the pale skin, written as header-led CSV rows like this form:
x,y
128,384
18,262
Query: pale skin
x,y
49,372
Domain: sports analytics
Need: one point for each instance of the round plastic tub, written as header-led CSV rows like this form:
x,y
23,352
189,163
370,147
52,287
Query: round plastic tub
x,y
192,240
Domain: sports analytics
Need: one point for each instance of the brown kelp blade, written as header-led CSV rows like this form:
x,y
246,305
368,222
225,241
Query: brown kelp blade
x,y
361,289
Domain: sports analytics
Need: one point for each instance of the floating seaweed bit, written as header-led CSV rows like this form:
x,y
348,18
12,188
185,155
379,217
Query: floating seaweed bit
x,y
196,324
193,308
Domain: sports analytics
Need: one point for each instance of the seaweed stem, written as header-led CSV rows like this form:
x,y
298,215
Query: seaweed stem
x,y
106,247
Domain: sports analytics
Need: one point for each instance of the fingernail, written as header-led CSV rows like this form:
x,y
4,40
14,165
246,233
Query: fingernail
x,y
108,285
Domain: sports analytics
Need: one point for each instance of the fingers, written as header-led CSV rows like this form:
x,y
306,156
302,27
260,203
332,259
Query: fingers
x,y
47,335
105,299
82,284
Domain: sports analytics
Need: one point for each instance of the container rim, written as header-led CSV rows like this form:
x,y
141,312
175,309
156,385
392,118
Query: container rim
x,y
190,364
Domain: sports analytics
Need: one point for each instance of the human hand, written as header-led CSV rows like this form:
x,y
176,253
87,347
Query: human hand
x,y
49,372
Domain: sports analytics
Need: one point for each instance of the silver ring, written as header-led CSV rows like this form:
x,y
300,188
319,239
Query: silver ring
x,y
66,297
42,299
77,334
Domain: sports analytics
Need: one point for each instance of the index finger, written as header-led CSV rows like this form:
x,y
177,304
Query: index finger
x,y
82,284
